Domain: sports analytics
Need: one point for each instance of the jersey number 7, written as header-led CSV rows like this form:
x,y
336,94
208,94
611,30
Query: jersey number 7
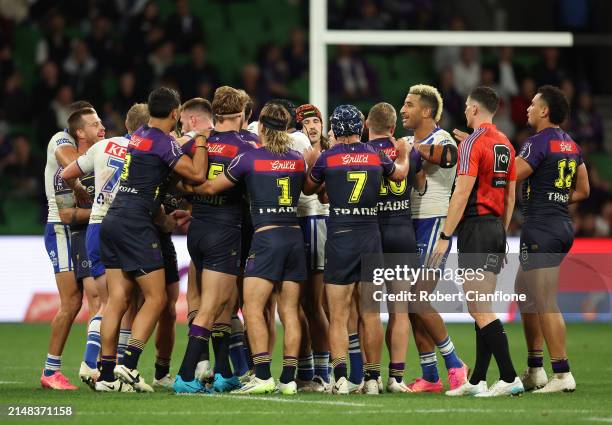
x,y
359,178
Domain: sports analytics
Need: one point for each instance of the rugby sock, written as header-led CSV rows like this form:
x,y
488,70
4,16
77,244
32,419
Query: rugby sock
x,y
221,342
247,352
198,339
372,371
497,341
339,365
289,365
162,367
52,364
124,336
132,353
559,365
535,358
92,349
356,359
107,368
262,365
236,348
429,366
483,358
190,316
447,349
305,368
396,370
321,365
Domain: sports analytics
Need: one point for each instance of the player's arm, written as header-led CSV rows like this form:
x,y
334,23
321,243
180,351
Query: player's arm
x,y
65,154
510,196
72,171
310,186
211,187
523,169
444,155
194,168
402,165
420,182
315,177
582,190
68,211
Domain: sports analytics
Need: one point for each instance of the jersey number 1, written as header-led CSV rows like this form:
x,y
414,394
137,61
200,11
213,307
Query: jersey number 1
x,y
285,198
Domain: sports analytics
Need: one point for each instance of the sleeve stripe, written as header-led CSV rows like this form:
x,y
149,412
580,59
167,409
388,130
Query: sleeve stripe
x,y
466,149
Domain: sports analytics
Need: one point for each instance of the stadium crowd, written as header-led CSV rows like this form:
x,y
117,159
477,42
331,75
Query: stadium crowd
x,y
113,53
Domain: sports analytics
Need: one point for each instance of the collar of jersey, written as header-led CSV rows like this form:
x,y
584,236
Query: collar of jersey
x,y
430,138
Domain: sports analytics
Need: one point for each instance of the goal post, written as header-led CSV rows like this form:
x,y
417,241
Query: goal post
x,y
320,37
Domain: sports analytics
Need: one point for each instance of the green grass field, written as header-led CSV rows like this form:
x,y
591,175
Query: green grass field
x,y
23,348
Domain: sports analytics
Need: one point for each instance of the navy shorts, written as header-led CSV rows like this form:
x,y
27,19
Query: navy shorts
x,y
545,244
130,244
481,243
93,250
277,254
169,255
398,237
246,237
81,262
343,250
214,246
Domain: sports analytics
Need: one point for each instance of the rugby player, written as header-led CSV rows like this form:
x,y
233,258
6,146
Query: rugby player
x,y
151,156
214,246
105,160
352,173
313,221
61,150
482,205
421,112
274,176
555,173
397,234
86,128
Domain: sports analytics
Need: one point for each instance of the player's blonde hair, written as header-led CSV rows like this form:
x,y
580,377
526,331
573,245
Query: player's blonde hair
x,y
275,120
431,97
137,116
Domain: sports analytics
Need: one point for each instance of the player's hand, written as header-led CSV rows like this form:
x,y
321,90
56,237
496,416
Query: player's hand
x,y
435,259
81,195
459,135
182,218
402,145
169,224
311,156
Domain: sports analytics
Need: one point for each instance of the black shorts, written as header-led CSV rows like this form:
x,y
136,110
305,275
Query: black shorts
x,y
130,244
169,255
277,254
398,237
245,241
78,252
214,246
481,242
343,250
545,244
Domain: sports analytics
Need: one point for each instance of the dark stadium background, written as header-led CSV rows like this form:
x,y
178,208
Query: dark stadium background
x,y
113,52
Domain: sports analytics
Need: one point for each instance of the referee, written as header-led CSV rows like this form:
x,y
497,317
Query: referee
x,y
482,206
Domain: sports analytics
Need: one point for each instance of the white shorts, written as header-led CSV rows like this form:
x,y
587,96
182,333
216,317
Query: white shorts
x,y
314,229
57,243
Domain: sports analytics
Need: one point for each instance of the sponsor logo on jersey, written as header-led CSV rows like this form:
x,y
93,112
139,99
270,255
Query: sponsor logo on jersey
x,y
283,165
563,146
341,160
390,152
140,143
222,149
113,149
502,159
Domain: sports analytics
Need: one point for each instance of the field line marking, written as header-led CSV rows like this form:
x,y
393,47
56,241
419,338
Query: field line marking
x,y
596,419
297,400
